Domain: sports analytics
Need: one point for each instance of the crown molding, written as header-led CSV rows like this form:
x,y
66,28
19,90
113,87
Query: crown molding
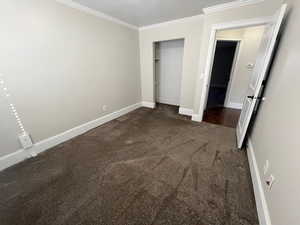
x,y
230,5
182,20
96,13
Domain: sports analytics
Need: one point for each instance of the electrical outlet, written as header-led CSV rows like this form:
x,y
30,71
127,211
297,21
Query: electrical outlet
x,y
104,108
25,140
270,181
266,167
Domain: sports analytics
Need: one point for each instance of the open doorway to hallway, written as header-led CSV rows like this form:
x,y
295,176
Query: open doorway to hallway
x,y
235,56
224,60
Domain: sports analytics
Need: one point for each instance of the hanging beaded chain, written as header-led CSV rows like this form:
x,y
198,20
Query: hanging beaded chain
x,y
12,107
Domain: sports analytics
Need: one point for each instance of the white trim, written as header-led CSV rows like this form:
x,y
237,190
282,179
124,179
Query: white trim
x,y
243,23
234,105
20,155
207,73
167,101
228,39
182,20
230,5
196,118
149,104
186,111
261,203
96,13
13,158
211,51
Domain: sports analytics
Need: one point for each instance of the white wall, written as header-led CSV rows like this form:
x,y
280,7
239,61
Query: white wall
x,y
230,34
8,127
250,39
61,65
191,31
196,32
276,132
168,74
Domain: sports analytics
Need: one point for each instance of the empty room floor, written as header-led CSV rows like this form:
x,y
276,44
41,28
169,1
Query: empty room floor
x,y
147,167
223,116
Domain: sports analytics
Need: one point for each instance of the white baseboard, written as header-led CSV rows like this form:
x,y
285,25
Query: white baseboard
x,y
13,158
186,111
261,204
234,105
168,101
230,5
20,155
196,118
149,104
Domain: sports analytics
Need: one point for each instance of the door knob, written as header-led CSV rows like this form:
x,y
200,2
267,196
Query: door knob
x,y
258,98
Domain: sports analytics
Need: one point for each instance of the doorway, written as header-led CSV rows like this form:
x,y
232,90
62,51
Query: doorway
x,y
222,71
252,98
225,55
168,60
234,58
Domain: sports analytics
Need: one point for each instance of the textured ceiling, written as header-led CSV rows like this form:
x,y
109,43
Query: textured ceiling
x,y
147,12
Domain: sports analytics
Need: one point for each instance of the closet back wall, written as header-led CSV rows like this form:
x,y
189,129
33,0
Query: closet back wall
x,y
169,71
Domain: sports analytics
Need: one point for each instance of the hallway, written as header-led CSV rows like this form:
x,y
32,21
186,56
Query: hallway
x,y
222,116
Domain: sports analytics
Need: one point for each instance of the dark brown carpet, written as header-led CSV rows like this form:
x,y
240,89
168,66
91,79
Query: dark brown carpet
x,y
147,167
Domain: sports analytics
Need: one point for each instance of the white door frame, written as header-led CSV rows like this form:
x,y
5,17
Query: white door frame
x,y
211,50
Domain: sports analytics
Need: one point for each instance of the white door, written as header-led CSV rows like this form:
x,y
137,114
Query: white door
x,y
259,73
169,71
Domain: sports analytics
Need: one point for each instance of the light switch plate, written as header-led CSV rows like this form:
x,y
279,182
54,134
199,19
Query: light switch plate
x,y
25,140
266,167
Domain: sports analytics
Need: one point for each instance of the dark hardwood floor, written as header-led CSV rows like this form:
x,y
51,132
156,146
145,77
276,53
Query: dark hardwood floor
x,y
223,116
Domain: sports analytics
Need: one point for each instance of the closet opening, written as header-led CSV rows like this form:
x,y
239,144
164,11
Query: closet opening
x,y
168,60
